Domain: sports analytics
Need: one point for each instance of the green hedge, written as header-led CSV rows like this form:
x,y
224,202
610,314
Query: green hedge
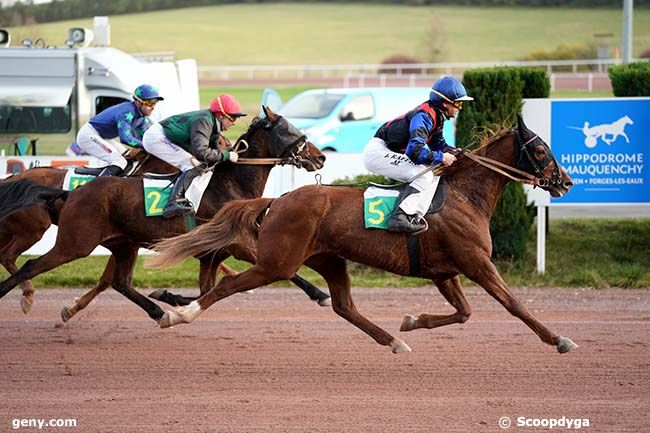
x,y
498,98
632,79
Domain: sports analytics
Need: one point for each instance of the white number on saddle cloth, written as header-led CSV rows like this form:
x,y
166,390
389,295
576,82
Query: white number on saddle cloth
x,y
73,180
378,205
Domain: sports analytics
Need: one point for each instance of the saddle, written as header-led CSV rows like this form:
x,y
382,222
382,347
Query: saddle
x,y
131,166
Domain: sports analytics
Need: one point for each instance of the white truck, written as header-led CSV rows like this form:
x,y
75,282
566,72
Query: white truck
x,y
55,90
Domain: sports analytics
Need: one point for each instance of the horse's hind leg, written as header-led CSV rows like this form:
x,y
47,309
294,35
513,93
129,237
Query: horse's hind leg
x,y
334,270
60,254
80,303
488,277
20,233
453,292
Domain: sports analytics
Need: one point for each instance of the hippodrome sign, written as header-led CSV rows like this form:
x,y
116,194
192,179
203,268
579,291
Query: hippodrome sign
x,y
604,145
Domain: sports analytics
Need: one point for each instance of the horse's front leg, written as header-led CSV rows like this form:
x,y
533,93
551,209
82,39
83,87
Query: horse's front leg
x,y
486,275
208,270
82,302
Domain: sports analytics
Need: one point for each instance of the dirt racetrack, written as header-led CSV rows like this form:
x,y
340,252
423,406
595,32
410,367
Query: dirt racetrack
x,y
272,361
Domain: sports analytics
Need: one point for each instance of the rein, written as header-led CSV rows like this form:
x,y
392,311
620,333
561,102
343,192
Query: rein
x,y
241,146
504,169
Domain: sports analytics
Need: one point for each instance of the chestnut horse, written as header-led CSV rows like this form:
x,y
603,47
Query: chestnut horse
x,y
109,211
322,226
22,229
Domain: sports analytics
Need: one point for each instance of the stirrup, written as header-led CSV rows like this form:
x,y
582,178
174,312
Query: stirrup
x,y
422,230
178,208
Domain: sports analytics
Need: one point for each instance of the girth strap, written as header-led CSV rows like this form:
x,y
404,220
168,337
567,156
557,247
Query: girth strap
x,y
413,247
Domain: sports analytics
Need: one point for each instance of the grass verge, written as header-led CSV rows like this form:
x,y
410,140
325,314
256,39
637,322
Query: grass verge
x,y
594,253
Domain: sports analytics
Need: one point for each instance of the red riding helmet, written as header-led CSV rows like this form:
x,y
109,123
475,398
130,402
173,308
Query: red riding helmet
x,y
226,105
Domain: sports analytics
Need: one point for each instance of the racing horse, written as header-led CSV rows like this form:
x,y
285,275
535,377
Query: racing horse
x,y
22,229
322,226
109,211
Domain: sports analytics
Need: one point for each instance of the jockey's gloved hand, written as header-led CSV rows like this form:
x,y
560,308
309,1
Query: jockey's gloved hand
x,y
134,153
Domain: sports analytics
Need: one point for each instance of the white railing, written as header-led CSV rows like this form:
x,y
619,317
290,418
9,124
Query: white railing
x,y
302,72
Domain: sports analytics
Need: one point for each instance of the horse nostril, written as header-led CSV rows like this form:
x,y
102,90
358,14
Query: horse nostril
x,y
321,158
568,184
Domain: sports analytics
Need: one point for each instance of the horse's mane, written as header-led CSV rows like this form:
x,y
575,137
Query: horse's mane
x,y
256,123
483,140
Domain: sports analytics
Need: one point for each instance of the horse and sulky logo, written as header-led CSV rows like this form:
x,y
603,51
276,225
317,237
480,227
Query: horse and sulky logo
x,y
607,132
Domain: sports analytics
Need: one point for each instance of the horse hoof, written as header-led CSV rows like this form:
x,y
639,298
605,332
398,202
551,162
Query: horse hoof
x,y
565,344
65,314
326,302
408,323
166,320
398,346
26,304
157,294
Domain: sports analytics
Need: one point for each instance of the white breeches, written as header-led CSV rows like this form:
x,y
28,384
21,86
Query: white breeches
x,y
109,151
156,143
379,159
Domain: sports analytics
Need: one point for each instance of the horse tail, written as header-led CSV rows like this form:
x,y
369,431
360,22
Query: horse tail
x,y
237,221
24,193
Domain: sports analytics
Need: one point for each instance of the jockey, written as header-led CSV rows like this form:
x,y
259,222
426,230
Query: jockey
x,y
187,140
403,148
127,120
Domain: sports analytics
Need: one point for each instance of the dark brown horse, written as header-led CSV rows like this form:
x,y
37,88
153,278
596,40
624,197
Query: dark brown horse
x,y
22,229
322,226
110,211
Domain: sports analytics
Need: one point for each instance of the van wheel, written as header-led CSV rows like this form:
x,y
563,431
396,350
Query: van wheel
x,y
328,149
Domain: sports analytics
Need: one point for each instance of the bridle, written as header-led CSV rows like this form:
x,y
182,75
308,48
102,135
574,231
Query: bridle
x,y
514,173
290,155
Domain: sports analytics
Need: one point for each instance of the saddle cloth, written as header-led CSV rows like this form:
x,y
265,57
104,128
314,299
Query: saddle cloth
x,y
157,192
74,180
380,202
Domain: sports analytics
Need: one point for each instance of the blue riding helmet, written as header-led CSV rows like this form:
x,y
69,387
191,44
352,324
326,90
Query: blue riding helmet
x,y
147,92
448,89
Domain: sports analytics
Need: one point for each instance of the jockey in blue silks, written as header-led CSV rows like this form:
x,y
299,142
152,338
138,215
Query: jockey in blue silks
x,y
404,147
126,121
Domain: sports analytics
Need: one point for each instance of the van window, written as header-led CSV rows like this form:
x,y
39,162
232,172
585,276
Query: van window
x,y
311,105
104,102
358,108
30,120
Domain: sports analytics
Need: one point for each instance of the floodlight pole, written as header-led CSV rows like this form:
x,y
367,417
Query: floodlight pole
x,y
628,6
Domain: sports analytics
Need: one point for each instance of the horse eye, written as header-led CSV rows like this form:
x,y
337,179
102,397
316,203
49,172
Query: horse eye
x,y
540,152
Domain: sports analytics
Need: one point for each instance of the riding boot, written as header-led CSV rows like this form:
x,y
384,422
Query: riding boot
x,y
410,222
178,205
111,170
402,222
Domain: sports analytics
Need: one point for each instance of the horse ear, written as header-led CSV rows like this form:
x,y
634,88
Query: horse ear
x,y
269,113
521,126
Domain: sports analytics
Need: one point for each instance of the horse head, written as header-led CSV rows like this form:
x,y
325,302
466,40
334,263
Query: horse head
x,y
627,120
281,140
535,157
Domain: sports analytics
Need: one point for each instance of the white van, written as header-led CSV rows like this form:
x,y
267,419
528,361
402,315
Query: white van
x,y
55,90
